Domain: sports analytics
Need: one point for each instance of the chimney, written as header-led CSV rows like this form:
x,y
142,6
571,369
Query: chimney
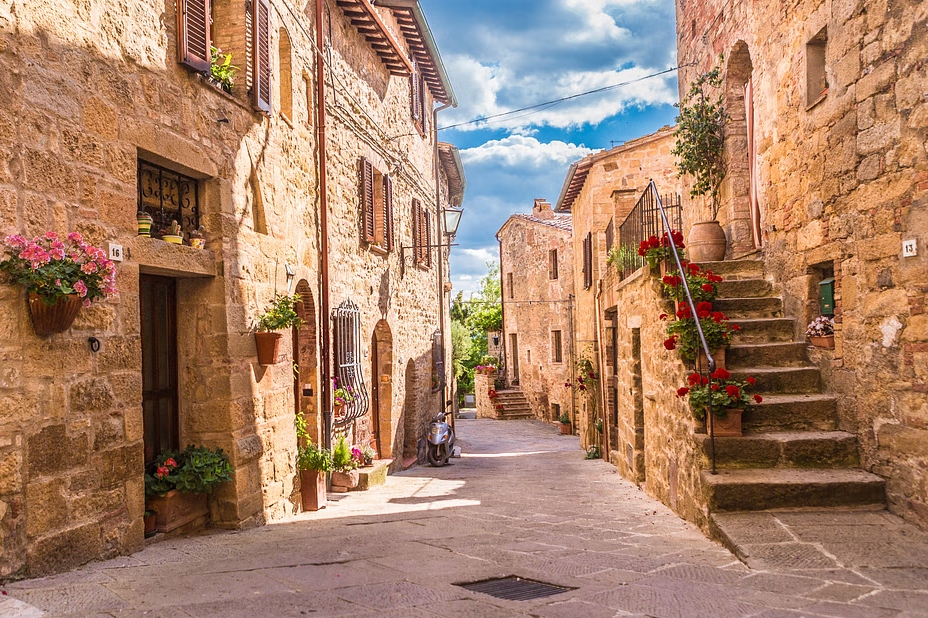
x,y
542,209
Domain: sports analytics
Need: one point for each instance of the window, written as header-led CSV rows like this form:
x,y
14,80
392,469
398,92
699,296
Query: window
x,y
286,79
421,234
261,25
418,94
557,354
556,411
512,293
610,236
167,196
376,207
552,264
588,261
193,33
816,79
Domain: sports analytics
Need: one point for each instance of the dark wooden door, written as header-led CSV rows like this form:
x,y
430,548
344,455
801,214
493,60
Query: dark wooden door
x,y
514,352
158,308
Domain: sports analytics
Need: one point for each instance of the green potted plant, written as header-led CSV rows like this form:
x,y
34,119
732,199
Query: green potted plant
x,y
314,462
344,465
280,314
221,70
60,274
177,484
368,454
703,284
684,337
658,252
729,399
564,420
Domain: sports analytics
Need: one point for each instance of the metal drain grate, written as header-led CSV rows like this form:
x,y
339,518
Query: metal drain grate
x,y
514,588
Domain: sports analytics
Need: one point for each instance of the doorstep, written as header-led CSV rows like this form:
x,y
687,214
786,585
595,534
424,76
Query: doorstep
x,y
371,476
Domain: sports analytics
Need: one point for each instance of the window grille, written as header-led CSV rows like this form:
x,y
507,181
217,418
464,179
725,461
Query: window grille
x,y
348,363
610,236
168,196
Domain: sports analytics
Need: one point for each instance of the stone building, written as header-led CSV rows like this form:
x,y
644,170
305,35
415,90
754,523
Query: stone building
x,y
536,260
318,172
599,192
826,183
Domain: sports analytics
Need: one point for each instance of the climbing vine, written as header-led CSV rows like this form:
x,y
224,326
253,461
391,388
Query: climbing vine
x,y
700,140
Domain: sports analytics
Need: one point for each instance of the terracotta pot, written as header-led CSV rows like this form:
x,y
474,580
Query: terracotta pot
x,y
176,508
268,345
728,426
312,489
566,429
702,363
828,341
57,318
346,479
707,242
150,523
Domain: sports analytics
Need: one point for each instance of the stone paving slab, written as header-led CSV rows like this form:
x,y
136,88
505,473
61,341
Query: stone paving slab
x,y
521,501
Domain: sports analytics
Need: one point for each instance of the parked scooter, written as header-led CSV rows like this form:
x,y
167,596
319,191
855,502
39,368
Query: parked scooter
x,y
440,440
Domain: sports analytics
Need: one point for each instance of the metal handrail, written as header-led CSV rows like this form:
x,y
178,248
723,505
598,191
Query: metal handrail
x,y
689,299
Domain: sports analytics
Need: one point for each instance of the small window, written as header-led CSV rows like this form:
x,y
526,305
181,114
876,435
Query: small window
x,y
588,261
552,264
816,79
512,293
376,207
285,77
557,354
555,410
418,95
168,197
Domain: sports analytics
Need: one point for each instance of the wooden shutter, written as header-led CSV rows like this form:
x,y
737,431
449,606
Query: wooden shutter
x,y
428,239
367,199
587,261
415,230
388,213
261,86
193,44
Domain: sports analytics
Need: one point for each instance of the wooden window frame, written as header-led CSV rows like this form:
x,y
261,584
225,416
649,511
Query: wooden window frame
x,y
552,264
191,16
421,234
376,208
512,289
557,347
418,99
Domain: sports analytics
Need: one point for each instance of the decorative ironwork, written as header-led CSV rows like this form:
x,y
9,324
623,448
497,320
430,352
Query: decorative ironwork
x,y
643,222
348,363
168,196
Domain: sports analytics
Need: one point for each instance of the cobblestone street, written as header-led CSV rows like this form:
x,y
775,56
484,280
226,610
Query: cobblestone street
x,y
521,501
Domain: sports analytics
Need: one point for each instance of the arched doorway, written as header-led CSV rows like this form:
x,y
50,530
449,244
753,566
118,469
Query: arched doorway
x,y
382,388
306,363
739,190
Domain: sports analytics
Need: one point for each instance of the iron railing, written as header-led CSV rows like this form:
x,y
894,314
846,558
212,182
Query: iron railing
x,y
643,222
348,364
168,196
656,200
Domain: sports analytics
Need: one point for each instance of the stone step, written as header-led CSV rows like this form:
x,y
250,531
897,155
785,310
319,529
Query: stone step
x,y
374,475
781,379
736,269
804,412
772,488
515,417
764,330
781,354
744,288
757,307
795,449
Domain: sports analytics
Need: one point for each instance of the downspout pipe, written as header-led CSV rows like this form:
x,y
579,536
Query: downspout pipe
x,y
436,168
324,321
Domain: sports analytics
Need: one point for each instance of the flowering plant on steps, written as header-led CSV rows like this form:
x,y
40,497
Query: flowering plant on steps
x,y
682,333
702,283
657,249
725,392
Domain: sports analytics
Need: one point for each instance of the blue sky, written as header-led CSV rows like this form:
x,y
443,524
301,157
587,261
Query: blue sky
x,y
508,54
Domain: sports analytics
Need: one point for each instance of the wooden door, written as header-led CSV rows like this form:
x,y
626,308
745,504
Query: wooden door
x,y
158,309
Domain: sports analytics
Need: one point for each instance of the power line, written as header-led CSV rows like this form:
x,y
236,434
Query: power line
x,y
547,104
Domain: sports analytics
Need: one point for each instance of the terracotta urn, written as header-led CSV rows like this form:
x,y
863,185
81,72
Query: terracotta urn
x,y
707,242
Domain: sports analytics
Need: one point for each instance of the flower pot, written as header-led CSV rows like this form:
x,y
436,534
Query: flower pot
x,y
57,318
268,345
176,508
348,480
312,489
174,240
566,429
702,363
151,522
197,243
826,341
144,224
728,426
707,242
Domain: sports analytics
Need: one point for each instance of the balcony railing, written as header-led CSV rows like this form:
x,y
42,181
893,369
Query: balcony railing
x,y
643,222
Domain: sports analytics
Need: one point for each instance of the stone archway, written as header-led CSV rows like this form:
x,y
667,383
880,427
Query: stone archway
x,y
306,363
736,209
382,388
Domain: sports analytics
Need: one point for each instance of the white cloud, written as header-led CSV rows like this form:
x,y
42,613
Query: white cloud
x,y
520,150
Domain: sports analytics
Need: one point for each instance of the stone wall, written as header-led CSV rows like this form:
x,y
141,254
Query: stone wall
x,y
483,383
538,305
842,181
87,90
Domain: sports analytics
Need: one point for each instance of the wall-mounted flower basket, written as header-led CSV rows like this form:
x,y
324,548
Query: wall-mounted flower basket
x,y
57,318
827,341
268,345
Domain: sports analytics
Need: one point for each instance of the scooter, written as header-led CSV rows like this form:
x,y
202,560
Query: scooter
x,y
440,440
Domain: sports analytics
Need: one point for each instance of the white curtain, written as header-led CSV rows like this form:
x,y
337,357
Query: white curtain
x,y
752,163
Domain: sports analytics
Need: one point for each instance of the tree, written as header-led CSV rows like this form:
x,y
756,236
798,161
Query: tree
x,y
486,310
470,321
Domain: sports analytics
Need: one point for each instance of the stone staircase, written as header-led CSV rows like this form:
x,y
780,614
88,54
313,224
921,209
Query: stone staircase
x,y
791,454
515,405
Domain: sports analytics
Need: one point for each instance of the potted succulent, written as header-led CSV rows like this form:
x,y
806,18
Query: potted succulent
x,y
60,274
280,314
177,484
729,399
173,234
344,465
821,332
683,335
314,463
197,241
341,396
368,455
564,420
144,222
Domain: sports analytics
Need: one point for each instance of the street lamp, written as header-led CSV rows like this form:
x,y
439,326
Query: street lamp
x,y
452,221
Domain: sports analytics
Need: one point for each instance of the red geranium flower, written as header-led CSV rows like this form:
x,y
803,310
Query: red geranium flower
x,y
721,374
693,378
671,343
170,462
663,316
592,375
707,287
715,387
718,316
703,380
677,238
704,306
693,268
733,391
582,387
162,472
735,327
751,381
682,391
758,398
